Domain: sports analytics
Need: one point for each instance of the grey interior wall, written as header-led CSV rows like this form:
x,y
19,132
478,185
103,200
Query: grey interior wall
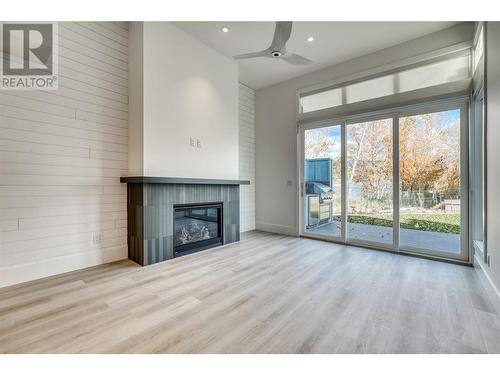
x,y
276,131
493,151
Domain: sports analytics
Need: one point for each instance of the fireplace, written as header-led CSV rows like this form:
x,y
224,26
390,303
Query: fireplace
x,y
197,227
151,211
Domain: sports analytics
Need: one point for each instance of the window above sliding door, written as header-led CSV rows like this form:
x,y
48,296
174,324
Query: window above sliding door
x,y
444,73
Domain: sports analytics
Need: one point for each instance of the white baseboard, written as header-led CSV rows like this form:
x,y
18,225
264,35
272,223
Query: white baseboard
x,y
488,284
55,266
276,228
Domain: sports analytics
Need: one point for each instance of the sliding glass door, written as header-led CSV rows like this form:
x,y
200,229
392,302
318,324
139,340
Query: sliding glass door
x,y
432,204
395,181
369,167
322,185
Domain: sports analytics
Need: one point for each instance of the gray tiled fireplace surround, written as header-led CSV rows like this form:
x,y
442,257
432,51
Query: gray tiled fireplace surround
x,y
150,212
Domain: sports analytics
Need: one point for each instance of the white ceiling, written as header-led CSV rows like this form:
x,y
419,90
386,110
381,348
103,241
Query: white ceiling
x,y
334,42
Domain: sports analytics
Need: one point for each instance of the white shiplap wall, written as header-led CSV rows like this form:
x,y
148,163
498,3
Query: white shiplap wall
x,y
247,157
62,152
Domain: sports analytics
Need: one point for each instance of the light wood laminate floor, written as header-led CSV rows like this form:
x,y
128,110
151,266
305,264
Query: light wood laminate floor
x,y
266,294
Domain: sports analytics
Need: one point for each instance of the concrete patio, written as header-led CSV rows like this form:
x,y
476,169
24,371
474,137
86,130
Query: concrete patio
x,y
444,242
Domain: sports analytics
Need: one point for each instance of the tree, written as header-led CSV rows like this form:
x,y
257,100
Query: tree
x,y
369,159
419,162
429,155
318,143
449,182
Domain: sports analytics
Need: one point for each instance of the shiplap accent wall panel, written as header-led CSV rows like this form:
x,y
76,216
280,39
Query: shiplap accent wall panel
x,y
247,157
62,152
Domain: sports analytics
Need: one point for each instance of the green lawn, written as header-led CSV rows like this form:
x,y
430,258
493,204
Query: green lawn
x,y
433,222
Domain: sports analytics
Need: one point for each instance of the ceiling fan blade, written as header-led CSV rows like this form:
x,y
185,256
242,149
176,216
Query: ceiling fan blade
x,y
282,33
251,55
295,59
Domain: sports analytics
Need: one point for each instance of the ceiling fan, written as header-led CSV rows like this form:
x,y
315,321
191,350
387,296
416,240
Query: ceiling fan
x,y
277,49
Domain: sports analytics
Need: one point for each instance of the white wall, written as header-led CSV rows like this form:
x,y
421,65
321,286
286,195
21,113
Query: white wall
x,y
247,157
493,150
136,103
189,91
61,155
276,131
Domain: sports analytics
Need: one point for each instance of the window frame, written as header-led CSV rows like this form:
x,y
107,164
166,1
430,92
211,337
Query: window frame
x,y
452,89
444,103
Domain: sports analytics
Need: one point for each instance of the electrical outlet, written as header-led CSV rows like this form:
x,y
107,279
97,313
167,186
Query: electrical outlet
x,y
198,143
96,238
192,142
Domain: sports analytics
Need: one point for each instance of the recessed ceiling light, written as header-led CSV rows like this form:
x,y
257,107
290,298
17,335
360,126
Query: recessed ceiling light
x,y
224,29
310,39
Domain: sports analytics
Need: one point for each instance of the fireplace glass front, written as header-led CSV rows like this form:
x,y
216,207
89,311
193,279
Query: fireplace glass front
x,y
197,227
